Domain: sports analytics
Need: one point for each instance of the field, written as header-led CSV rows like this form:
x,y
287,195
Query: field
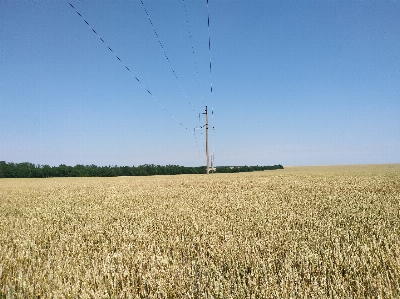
x,y
301,232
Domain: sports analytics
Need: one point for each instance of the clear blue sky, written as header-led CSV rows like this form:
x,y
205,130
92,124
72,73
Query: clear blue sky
x,y
294,82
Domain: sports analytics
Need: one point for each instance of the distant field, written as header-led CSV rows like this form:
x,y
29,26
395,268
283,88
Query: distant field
x,y
301,232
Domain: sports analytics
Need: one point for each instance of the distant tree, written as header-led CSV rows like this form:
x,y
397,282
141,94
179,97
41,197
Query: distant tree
x,y
29,170
65,171
4,172
46,171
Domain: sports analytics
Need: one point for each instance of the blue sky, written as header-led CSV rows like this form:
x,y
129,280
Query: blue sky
x,y
294,82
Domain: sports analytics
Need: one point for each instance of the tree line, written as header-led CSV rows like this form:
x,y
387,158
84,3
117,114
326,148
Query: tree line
x,y
30,170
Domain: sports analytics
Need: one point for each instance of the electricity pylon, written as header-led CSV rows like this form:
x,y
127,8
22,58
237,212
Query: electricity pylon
x,y
207,158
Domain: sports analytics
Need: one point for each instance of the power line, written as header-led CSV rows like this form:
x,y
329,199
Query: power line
x,y
136,78
168,60
166,56
128,69
209,46
209,53
196,67
192,49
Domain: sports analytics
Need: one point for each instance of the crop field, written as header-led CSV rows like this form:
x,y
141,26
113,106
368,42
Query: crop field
x,y
301,232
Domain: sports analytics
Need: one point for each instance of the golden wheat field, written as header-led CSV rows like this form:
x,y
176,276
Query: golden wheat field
x,y
301,232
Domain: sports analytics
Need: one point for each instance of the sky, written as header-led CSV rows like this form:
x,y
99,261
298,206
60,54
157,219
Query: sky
x,y
293,82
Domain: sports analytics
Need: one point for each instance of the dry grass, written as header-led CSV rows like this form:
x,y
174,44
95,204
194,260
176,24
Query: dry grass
x,y
316,232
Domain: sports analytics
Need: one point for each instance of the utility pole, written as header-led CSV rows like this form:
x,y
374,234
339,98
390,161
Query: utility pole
x,y
206,113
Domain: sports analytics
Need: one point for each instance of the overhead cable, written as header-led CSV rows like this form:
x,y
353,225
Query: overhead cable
x,y
128,69
193,52
166,56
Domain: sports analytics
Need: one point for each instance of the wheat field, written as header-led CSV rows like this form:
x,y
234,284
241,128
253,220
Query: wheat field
x,y
301,232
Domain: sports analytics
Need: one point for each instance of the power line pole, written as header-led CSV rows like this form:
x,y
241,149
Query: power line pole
x,y
206,113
